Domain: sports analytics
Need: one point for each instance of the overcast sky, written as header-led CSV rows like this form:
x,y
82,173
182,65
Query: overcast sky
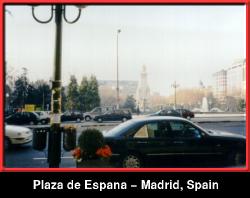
x,y
182,43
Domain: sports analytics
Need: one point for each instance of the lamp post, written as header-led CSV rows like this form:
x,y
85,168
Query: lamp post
x,y
175,86
54,143
117,69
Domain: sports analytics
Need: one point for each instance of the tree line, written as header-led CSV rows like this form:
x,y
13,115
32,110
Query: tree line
x,y
19,90
83,97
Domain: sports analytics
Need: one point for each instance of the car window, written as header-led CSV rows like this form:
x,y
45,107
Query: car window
x,y
184,130
177,128
16,116
142,132
191,132
147,131
67,113
26,115
97,110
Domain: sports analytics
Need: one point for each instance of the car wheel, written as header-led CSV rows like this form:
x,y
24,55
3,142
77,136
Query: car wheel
x,y
87,118
78,120
124,119
131,161
31,123
236,159
43,122
7,143
99,120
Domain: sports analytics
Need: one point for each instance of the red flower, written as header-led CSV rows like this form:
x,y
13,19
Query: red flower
x,y
77,153
104,151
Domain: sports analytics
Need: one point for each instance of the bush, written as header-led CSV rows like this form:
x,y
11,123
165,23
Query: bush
x,y
90,141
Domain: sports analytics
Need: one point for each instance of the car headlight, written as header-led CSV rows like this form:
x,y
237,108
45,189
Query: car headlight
x,y
19,134
28,132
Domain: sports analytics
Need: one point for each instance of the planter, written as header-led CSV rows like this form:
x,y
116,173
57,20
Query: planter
x,y
40,138
69,138
94,163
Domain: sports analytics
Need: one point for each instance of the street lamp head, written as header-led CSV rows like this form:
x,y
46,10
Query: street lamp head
x,y
118,31
81,6
63,9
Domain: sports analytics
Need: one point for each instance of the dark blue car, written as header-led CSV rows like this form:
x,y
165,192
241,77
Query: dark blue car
x,y
114,115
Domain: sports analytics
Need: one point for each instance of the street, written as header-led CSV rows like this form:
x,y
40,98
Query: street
x,y
25,157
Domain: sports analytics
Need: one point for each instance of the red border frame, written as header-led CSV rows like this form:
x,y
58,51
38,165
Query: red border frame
x,y
2,73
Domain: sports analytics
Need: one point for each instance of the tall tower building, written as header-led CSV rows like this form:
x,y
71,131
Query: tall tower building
x,y
143,91
220,85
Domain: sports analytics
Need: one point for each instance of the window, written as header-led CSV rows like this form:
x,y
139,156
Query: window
x,y
183,129
191,131
142,132
153,130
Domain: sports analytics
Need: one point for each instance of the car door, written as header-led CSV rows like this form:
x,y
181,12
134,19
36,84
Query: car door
x,y
109,116
147,141
190,143
13,119
26,118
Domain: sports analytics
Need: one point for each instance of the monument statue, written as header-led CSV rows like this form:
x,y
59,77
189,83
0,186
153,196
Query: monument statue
x,y
143,91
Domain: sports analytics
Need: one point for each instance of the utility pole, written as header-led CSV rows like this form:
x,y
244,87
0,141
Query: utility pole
x,y
117,70
175,86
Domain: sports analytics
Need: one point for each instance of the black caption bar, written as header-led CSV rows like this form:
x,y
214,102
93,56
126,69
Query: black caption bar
x,y
173,182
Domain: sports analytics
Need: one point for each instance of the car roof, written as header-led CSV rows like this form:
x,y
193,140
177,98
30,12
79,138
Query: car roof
x,y
156,118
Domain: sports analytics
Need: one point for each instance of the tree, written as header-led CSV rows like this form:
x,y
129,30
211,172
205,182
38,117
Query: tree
x,y
231,104
20,93
83,91
64,99
241,105
72,94
93,97
43,92
130,103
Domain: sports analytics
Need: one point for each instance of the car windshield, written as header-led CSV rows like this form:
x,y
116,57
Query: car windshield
x,y
118,130
158,112
107,112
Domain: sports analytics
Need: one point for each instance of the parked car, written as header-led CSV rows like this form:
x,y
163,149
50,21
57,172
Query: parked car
x,y
115,115
97,111
44,116
16,135
145,141
166,112
23,118
185,113
72,116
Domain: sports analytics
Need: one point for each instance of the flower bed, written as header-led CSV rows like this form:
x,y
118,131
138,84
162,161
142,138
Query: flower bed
x,y
92,151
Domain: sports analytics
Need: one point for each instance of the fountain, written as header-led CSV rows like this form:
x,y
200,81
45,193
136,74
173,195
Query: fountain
x,y
204,105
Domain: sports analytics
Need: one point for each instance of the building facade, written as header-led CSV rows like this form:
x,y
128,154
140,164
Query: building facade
x,y
230,82
236,80
220,85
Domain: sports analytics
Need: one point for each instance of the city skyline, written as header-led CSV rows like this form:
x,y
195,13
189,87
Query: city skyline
x,y
181,43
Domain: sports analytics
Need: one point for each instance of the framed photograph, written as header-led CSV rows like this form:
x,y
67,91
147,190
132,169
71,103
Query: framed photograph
x,y
121,86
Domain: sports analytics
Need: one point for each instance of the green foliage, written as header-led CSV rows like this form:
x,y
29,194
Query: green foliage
x,y
90,140
93,93
130,103
20,93
64,99
83,94
72,94
241,105
89,94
